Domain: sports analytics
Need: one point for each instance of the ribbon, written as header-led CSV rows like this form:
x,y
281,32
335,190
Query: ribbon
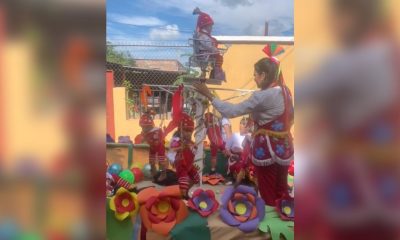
x,y
146,91
177,110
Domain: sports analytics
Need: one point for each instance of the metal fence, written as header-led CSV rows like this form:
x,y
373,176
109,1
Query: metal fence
x,y
154,63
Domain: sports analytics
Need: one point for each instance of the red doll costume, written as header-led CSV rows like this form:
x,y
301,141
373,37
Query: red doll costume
x,y
206,46
272,150
155,138
185,149
215,137
184,160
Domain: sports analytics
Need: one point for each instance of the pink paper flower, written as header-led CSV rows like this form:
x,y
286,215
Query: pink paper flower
x,y
203,202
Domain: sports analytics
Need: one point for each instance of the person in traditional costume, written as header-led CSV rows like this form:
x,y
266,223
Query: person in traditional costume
x,y
238,147
271,109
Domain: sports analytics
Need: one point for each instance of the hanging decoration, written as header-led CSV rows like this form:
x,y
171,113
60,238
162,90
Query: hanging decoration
x,y
146,92
177,110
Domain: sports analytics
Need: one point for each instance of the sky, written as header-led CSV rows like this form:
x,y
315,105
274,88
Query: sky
x,y
172,20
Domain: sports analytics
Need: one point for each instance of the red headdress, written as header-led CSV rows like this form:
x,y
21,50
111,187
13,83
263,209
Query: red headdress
x,y
187,123
203,20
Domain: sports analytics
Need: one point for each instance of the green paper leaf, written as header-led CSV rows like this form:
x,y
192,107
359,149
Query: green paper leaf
x,y
273,48
276,226
115,229
194,227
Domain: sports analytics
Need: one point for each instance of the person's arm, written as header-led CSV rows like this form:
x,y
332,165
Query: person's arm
x,y
228,144
228,130
230,110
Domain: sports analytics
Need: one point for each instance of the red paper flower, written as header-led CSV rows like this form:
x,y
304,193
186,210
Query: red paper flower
x,y
203,202
291,168
124,204
161,210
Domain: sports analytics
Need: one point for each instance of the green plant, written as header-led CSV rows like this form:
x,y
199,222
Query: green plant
x,y
275,226
130,101
114,56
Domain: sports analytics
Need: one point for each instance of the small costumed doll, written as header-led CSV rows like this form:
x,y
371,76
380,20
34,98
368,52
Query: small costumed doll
x,y
155,138
215,137
206,45
184,160
183,145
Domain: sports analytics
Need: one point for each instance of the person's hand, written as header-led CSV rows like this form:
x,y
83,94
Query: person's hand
x,y
203,89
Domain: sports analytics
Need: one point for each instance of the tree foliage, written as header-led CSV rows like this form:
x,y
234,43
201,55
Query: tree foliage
x,y
114,56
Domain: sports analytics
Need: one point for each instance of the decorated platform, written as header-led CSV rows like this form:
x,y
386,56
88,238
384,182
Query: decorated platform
x,y
199,217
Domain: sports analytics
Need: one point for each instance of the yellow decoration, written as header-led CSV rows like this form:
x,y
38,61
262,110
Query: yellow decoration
x,y
125,203
240,208
203,205
287,210
163,206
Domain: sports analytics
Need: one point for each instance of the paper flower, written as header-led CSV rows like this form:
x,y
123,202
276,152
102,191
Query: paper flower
x,y
212,179
203,202
161,210
124,204
285,208
242,208
275,226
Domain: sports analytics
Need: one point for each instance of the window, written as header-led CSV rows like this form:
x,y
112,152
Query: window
x,y
160,102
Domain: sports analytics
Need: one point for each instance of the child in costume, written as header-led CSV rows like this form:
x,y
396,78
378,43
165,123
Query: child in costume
x,y
206,46
184,161
155,138
239,165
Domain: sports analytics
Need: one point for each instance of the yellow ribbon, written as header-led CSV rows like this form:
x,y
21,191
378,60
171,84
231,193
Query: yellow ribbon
x,y
271,133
